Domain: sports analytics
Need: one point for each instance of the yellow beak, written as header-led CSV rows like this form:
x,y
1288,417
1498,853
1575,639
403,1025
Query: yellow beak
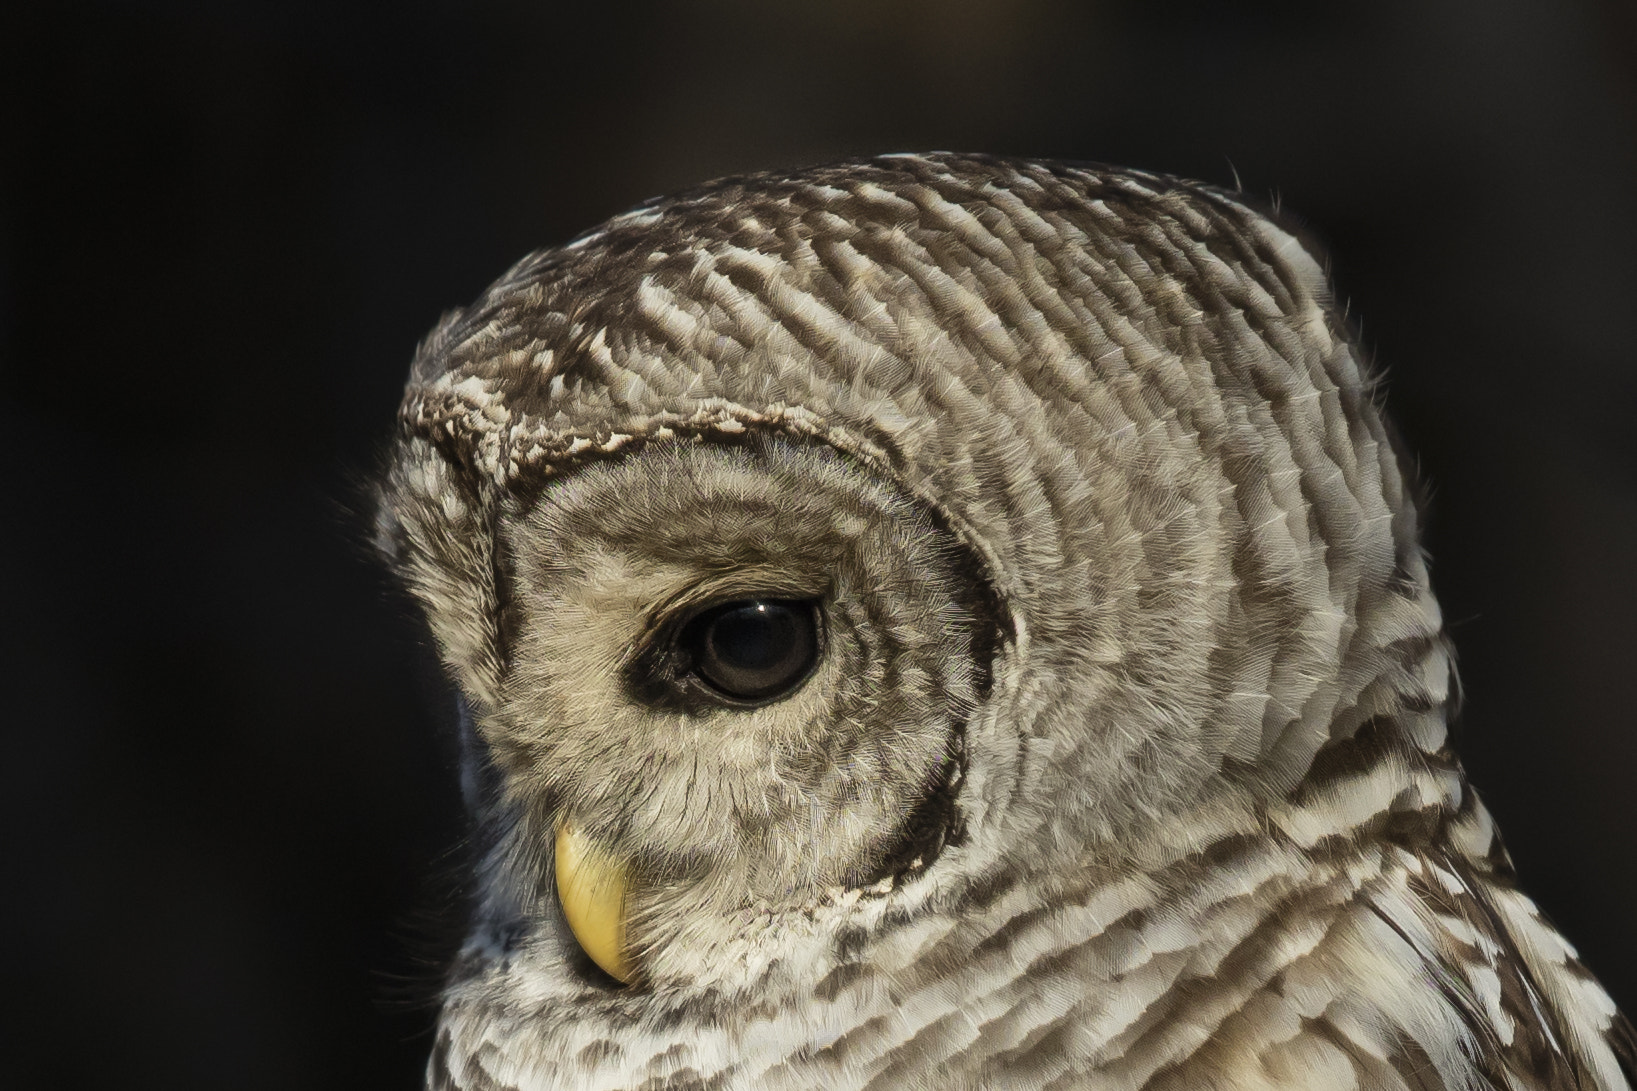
x,y
592,886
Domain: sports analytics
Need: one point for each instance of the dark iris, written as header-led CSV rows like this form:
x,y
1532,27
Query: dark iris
x,y
754,650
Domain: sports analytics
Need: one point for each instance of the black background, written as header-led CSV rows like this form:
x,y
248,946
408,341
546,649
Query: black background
x,y
225,226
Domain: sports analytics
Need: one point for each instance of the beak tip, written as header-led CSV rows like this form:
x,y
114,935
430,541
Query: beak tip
x,y
592,888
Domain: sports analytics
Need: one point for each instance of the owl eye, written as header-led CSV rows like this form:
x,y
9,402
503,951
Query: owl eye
x,y
754,650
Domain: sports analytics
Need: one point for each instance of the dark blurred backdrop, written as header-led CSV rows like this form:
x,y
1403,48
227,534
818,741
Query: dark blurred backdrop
x,y
223,227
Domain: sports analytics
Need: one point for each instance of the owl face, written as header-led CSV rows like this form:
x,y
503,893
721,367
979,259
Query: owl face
x,y
743,673
945,621
791,533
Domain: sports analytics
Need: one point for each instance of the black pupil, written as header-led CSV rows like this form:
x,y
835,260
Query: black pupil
x,y
755,650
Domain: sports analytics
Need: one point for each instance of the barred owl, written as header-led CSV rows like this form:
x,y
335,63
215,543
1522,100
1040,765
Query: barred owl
x,y
952,622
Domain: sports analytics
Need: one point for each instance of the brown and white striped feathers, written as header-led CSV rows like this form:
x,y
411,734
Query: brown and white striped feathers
x,y
974,610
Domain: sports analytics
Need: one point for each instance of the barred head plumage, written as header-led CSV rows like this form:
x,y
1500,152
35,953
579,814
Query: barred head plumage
x,y
1119,752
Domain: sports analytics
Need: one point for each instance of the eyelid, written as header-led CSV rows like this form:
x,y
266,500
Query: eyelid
x,y
671,615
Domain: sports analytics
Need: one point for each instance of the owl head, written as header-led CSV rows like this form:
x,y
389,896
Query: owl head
x,y
825,554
